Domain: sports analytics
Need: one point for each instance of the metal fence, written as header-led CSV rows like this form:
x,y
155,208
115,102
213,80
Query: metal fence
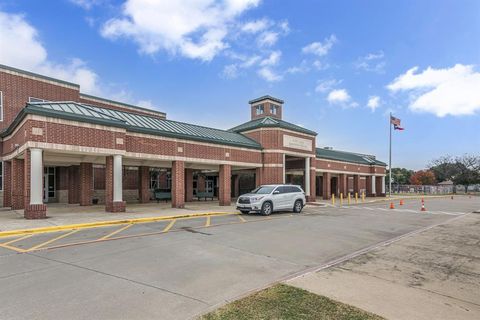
x,y
433,189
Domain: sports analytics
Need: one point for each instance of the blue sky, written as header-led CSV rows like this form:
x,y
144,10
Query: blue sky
x,y
340,66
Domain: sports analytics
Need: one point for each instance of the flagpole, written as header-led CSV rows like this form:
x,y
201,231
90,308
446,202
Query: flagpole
x,y
390,159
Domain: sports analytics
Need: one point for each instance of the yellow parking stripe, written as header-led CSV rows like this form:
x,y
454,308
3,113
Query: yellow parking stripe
x,y
207,224
116,231
17,239
52,240
6,246
170,225
241,218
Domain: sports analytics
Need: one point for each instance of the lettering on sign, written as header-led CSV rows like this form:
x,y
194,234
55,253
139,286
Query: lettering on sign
x,y
297,143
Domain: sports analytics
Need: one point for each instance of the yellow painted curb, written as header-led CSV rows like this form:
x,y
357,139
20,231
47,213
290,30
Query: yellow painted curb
x,y
10,233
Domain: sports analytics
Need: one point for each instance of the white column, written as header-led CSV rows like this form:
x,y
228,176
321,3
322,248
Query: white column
x,y
383,184
307,176
36,176
374,183
117,178
283,178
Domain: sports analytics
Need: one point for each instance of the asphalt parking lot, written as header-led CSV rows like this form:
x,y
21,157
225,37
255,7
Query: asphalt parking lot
x,y
180,268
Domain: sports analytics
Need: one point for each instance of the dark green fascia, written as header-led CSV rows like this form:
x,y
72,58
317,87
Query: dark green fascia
x,y
276,125
377,163
265,98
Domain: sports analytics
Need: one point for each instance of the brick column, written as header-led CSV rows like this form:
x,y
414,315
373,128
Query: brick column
x,y
85,183
225,184
356,184
258,176
73,184
327,193
7,184
144,184
18,181
113,180
33,185
236,185
342,183
200,183
178,184
313,187
188,185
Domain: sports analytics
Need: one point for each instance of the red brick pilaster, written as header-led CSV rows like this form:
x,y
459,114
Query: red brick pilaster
x,y
17,184
188,185
368,186
110,205
178,184
73,184
31,211
356,184
7,184
200,183
236,185
342,184
258,176
86,183
144,184
225,184
327,193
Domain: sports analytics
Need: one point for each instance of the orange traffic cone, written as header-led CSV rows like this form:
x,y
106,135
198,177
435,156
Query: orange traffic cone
x,y
401,202
392,206
423,207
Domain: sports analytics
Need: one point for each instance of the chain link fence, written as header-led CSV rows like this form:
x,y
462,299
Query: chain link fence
x,y
434,189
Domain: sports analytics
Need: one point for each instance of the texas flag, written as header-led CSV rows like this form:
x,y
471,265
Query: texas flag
x,y
396,123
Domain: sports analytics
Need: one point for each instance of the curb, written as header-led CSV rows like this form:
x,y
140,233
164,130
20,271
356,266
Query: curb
x,y
107,223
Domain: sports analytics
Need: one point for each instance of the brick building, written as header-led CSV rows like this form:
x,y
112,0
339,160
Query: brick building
x,y
60,145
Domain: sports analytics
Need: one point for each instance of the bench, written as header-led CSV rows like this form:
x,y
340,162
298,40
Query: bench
x,y
204,195
162,195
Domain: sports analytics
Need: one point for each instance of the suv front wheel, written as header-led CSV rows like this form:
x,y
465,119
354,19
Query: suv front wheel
x,y
266,208
298,206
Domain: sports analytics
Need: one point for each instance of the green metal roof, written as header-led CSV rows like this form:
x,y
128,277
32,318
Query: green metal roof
x,y
327,153
270,122
265,98
133,122
89,97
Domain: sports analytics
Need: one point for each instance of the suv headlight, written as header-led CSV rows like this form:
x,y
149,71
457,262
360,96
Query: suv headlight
x,y
255,199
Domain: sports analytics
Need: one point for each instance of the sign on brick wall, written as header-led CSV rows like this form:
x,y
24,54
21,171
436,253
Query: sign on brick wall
x,y
297,143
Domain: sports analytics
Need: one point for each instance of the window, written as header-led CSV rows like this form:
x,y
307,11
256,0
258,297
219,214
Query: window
x,y
274,109
259,109
1,175
32,99
1,107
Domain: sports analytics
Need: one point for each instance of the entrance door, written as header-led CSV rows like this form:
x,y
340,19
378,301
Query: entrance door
x,y
48,183
45,187
209,186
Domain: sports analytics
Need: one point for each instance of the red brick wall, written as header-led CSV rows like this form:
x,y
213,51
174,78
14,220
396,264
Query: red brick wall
x,y
17,89
267,112
178,180
86,183
7,183
224,181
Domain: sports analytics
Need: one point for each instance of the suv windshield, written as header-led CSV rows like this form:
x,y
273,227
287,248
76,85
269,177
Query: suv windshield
x,y
263,190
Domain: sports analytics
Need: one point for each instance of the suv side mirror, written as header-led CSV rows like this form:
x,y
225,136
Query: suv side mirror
x,y
276,192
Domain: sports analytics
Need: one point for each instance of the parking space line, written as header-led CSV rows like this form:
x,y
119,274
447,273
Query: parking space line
x,y
52,240
6,246
116,231
170,225
241,218
17,239
207,223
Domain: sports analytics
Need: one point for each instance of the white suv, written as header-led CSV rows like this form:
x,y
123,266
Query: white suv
x,y
275,197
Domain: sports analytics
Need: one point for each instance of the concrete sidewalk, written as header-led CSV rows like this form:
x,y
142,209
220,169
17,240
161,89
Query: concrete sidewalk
x,y
432,275
64,214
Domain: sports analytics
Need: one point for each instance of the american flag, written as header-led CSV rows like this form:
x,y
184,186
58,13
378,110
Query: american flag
x,y
396,123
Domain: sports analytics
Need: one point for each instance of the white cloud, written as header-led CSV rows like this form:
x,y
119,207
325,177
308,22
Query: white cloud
x,y
194,29
230,71
326,85
269,75
272,59
320,48
256,26
284,26
86,4
25,51
267,39
451,91
342,98
319,65
373,102
373,62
